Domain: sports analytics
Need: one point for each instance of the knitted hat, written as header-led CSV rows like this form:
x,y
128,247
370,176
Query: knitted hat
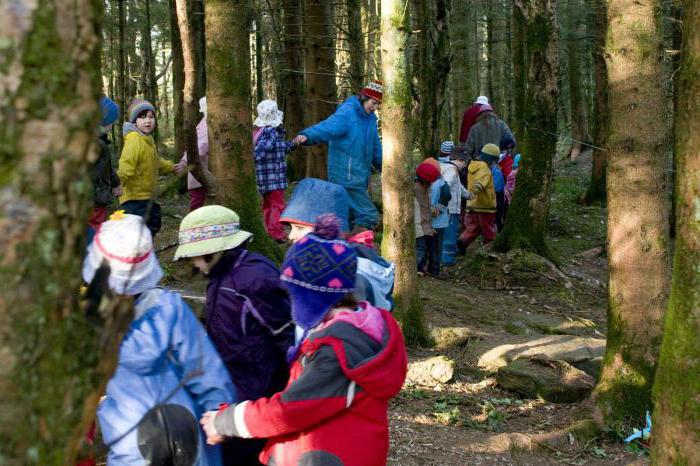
x,y
446,147
373,90
268,114
485,108
482,100
318,272
490,152
506,142
126,245
209,229
110,111
427,171
313,197
138,106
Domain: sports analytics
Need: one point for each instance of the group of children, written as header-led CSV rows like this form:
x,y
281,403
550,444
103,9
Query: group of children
x,y
439,190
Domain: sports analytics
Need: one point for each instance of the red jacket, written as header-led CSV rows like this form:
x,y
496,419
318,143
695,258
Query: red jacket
x,y
334,409
468,121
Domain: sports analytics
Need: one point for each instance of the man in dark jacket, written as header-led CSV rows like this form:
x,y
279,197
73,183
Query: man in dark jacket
x,y
105,182
248,314
469,117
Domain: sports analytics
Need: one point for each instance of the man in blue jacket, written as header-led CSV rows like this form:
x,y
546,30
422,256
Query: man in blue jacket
x,y
353,148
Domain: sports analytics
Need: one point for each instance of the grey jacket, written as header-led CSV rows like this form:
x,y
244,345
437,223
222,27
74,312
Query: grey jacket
x,y
489,129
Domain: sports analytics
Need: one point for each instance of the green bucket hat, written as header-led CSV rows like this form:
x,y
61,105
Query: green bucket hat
x,y
209,229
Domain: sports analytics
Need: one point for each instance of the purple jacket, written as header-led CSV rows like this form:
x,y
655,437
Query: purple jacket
x,y
248,317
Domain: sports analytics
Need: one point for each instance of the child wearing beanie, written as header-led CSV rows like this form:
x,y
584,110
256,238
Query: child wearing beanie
x,y
349,364
140,165
481,208
105,181
424,211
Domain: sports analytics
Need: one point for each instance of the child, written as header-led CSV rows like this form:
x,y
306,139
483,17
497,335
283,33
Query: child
x,y
499,184
139,165
350,363
168,372
270,165
105,181
440,197
481,215
451,163
247,310
509,166
426,174
313,198
197,192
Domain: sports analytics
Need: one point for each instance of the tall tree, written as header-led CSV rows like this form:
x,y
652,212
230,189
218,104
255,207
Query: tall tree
x,y
356,44
320,76
637,211
398,243
228,26
528,218
121,68
149,85
577,33
596,186
178,80
48,114
293,82
189,101
677,384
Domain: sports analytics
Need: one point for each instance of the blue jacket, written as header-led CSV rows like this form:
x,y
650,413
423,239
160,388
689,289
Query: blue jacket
x,y
498,180
442,220
353,144
162,353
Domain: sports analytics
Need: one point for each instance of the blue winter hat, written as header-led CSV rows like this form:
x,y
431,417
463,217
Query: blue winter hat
x,y
312,198
516,161
446,147
110,111
137,107
318,272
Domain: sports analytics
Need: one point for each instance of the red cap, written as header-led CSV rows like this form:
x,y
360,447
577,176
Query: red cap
x,y
373,90
427,171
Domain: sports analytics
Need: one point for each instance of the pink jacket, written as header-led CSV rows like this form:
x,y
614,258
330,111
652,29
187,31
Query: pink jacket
x,y
203,146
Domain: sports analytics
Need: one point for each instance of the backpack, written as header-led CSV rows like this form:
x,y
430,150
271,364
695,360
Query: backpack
x,y
445,194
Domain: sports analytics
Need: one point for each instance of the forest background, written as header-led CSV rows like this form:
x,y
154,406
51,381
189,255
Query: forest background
x,y
616,79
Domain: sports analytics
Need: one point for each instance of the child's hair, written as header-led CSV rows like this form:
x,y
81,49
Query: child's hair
x,y
144,113
348,300
327,227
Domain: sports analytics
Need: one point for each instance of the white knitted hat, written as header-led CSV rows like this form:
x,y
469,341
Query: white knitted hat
x,y
482,99
268,114
126,245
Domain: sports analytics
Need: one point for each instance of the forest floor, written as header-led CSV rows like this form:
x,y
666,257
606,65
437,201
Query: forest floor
x,y
470,310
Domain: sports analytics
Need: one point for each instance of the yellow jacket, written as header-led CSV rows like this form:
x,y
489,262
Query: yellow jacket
x,y
480,184
139,167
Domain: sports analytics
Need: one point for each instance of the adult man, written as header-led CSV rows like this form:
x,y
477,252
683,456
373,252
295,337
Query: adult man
x,y
469,117
353,149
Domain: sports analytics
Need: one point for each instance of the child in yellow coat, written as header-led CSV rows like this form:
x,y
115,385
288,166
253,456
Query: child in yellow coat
x,y
139,165
481,208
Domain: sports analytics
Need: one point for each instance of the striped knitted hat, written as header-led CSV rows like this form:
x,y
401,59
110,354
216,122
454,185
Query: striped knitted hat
x,y
138,106
318,272
446,147
374,90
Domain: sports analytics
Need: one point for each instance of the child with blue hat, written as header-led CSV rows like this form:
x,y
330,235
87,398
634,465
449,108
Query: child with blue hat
x,y
349,364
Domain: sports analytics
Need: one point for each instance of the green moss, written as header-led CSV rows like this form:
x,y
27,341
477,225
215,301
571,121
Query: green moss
x,y
585,430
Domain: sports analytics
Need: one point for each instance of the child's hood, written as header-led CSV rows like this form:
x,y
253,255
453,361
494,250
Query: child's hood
x,y
377,363
129,130
477,165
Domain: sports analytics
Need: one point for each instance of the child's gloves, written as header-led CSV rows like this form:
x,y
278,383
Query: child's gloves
x,y
207,422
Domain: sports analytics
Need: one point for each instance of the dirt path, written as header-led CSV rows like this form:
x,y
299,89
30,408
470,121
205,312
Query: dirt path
x,y
478,306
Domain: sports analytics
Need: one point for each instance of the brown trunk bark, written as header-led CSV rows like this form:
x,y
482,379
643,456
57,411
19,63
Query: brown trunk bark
x,y
320,77
200,172
178,81
229,116
53,350
356,44
293,83
637,212
398,243
121,72
677,385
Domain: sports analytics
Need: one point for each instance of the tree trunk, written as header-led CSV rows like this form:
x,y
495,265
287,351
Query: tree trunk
x,y
178,82
148,70
528,217
462,83
189,102
596,187
50,346
637,212
320,77
121,72
356,45
519,49
293,79
197,21
677,384
577,77
229,116
259,88
398,243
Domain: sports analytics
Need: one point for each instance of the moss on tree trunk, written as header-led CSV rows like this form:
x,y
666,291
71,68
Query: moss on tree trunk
x,y
677,385
528,217
637,212
229,116
398,242
48,118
